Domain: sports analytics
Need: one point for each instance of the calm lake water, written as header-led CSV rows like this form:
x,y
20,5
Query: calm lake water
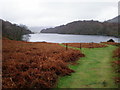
x,y
67,38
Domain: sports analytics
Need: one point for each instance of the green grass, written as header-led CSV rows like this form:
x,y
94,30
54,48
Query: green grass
x,y
92,71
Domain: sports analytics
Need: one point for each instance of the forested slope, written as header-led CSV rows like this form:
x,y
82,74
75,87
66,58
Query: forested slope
x,y
86,28
13,31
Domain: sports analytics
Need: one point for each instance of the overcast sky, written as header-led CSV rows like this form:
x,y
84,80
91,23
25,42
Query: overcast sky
x,y
56,12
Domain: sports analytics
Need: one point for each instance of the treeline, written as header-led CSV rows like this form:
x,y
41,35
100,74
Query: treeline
x,y
14,31
86,28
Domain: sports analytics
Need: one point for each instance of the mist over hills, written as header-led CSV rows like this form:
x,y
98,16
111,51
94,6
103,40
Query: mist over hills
x,y
91,27
37,29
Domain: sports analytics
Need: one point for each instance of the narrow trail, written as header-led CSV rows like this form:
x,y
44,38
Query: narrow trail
x,y
93,71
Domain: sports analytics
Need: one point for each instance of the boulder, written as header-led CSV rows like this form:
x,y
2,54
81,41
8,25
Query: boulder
x,y
111,40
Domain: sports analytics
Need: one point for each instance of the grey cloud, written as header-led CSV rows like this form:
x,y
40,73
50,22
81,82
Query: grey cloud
x,y
46,13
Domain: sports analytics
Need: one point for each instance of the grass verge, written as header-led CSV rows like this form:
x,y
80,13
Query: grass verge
x,y
92,71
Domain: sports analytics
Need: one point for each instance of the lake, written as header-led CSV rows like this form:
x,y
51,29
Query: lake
x,y
67,38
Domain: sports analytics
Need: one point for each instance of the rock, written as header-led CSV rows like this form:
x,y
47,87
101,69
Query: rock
x,y
111,40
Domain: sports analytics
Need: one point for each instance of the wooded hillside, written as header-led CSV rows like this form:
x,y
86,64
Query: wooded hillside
x,y
86,28
13,31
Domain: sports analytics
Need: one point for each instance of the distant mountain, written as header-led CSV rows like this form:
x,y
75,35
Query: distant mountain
x,y
13,31
115,20
37,29
85,28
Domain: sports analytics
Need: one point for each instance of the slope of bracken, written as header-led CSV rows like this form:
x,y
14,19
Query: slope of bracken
x,y
35,65
85,45
116,64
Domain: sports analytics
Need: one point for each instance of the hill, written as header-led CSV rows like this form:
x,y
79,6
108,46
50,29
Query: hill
x,y
115,20
13,31
86,28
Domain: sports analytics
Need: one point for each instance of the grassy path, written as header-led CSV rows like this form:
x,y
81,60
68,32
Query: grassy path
x,y
93,71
